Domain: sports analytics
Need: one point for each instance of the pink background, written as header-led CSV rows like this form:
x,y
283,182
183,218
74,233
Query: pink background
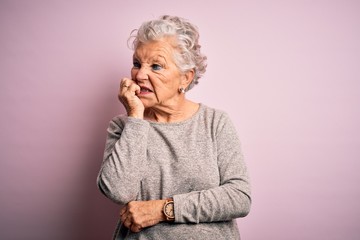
x,y
287,72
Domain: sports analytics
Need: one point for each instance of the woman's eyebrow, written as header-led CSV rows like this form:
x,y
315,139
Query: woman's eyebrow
x,y
159,57
156,58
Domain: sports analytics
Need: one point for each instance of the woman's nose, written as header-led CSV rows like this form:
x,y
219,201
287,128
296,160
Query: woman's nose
x,y
142,74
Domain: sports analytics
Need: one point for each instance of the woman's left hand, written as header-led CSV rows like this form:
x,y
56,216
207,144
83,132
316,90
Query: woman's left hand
x,y
137,215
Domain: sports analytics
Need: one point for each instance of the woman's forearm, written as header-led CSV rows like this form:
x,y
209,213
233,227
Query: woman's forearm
x,y
123,166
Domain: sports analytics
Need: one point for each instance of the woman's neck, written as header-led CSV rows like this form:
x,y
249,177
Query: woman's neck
x,y
168,114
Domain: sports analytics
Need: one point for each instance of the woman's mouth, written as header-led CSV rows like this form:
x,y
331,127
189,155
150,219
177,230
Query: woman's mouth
x,y
144,90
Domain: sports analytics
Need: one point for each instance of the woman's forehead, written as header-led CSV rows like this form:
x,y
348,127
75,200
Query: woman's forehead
x,y
154,49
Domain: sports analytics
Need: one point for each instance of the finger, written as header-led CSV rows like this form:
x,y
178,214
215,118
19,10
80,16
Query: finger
x,y
125,82
135,228
124,216
128,93
124,85
128,88
123,210
134,88
137,89
127,223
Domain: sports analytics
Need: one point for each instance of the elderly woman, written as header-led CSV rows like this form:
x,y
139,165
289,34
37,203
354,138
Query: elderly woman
x,y
174,166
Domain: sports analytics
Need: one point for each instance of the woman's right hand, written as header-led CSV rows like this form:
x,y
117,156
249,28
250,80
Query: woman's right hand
x,y
137,215
128,97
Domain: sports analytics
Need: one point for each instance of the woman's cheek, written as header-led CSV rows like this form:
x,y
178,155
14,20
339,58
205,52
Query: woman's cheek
x,y
133,74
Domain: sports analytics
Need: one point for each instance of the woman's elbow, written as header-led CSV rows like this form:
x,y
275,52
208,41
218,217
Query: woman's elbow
x,y
245,206
114,193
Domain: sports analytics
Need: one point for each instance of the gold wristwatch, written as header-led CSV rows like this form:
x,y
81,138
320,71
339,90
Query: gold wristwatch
x,y
168,210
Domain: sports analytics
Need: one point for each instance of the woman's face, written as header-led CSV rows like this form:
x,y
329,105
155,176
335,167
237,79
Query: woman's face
x,y
154,70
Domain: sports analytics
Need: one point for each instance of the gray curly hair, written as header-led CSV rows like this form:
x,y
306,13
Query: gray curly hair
x,y
188,55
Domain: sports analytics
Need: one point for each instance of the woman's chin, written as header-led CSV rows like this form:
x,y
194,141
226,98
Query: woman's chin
x,y
147,103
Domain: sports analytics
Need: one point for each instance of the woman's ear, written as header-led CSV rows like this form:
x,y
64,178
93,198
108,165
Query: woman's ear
x,y
188,77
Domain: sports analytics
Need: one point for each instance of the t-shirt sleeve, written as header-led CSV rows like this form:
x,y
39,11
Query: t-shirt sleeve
x,y
124,159
231,199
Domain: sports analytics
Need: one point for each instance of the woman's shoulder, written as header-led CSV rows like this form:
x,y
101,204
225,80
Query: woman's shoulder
x,y
117,123
212,113
119,119
216,118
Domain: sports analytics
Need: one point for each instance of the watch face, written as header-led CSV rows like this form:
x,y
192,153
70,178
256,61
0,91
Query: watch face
x,y
169,209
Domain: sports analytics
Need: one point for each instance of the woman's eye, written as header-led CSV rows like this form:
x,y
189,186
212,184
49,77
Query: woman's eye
x,y
156,67
136,65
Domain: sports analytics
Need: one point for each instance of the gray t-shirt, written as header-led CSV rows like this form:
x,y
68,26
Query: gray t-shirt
x,y
198,162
